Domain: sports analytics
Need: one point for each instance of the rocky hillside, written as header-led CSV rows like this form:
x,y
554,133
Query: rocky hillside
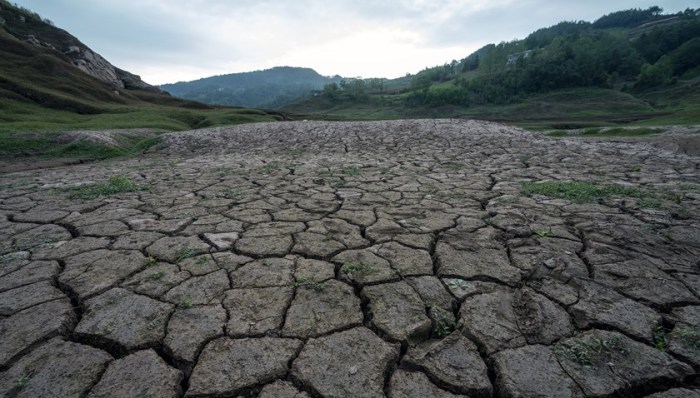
x,y
30,28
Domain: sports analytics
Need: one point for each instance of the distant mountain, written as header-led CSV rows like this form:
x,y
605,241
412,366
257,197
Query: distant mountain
x,y
271,88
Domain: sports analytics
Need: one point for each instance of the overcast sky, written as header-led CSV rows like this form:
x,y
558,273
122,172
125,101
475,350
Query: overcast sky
x,y
166,41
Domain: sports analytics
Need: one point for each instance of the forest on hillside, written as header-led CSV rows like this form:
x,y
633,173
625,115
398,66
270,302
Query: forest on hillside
x,y
627,50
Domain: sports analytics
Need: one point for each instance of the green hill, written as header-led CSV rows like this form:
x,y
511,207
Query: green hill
x,y
635,65
51,82
271,88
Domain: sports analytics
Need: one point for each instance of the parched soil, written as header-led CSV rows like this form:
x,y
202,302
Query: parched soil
x,y
323,259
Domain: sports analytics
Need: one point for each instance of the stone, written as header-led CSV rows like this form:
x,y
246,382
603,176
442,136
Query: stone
x,y
141,374
222,241
405,260
35,324
506,319
189,328
620,366
643,281
33,272
93,272
107,228
135,240
256,311
405,384
264,246
27,296
365,267
281,389
175,249
599,305
313,270
264,273
199,290
398,311
121,317
455,361
345,364
485,263
56,369
156,280
532,371
676,393
227,367
320,308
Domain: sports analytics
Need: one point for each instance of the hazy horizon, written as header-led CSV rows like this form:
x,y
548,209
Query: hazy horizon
x,y
165,42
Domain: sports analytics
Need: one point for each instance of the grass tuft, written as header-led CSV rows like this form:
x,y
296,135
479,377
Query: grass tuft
x,y
115,185
589,192
589,351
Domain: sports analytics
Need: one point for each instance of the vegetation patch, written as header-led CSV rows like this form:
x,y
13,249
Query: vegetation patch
x,y
688,336
356,267
184,254
309,284
620,132
588,352
115,185
589,192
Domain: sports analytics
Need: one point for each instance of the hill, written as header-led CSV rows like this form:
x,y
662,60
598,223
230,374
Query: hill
x,y
50,81
270,88
628,66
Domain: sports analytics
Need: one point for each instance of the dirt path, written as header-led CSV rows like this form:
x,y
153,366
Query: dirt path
x,y
310,259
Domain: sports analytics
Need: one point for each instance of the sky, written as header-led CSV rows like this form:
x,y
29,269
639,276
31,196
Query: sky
x,y
166,41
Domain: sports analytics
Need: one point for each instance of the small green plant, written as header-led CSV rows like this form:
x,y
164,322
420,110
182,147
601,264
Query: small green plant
x,y
351,170
589,351
309,284
271,167
457,283
338,183
544,234
115,185
185,303
21,382
184,254
636,169
659,337
202,260
156,275
688,336
327,237
443,328
453,166
152,261
356,267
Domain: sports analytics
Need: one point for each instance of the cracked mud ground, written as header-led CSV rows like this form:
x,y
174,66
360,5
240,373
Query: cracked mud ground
x,y
318,259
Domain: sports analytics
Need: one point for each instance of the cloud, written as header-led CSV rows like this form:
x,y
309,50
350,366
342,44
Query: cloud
x,y
166,41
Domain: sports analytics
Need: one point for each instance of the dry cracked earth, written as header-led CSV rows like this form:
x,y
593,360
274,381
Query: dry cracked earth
x,y
320,259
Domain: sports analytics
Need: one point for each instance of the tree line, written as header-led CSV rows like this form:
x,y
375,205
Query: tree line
x,y
569,54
